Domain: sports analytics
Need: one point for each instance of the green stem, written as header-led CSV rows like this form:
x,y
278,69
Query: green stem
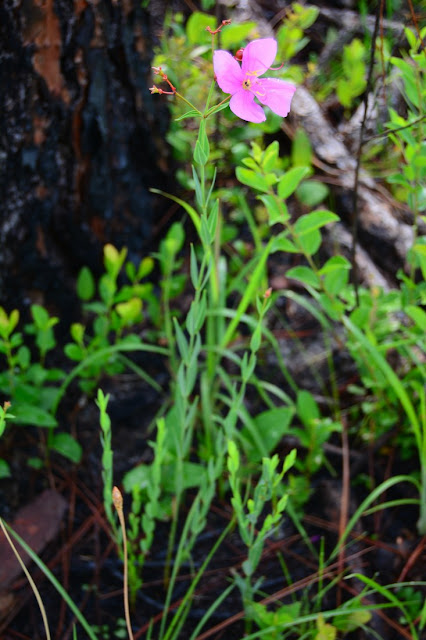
x,y
254,229
203,190
179,616
212,321
248,296
118,504
179,95
206,108
216,107
168,323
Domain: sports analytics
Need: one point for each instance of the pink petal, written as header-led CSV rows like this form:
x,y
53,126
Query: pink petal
x,y
228,72
243,105
259,55
276,94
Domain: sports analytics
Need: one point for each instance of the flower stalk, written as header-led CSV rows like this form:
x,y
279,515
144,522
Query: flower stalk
x,y
117,500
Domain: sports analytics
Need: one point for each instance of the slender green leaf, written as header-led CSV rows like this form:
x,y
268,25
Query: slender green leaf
x,y
192,113
379,361
190,210
59,588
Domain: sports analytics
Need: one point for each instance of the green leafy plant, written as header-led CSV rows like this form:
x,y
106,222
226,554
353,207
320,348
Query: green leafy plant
x,y
4,416
405,392
220,434
290,35
28,384
117,310
31,385
252,531
353,81
407,134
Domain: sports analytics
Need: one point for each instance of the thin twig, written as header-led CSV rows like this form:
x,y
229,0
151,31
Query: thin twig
x,y
412,559
414,19
401,128
359,153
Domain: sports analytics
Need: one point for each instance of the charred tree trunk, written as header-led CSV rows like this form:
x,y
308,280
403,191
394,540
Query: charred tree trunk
x,y
80,141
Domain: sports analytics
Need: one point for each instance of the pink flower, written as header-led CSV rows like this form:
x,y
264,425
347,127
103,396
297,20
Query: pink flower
x,y
244,83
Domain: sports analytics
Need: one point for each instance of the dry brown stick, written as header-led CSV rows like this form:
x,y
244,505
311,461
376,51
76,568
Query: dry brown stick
x,y
414,19
412,559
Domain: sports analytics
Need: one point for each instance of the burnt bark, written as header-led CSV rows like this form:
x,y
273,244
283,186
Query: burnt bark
x,y
81,142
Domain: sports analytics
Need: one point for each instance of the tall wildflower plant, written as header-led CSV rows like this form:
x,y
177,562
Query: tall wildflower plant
x,y
245,89
200,344
206,430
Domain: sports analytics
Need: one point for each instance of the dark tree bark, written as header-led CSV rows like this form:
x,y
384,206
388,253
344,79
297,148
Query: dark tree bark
x,y
81,142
